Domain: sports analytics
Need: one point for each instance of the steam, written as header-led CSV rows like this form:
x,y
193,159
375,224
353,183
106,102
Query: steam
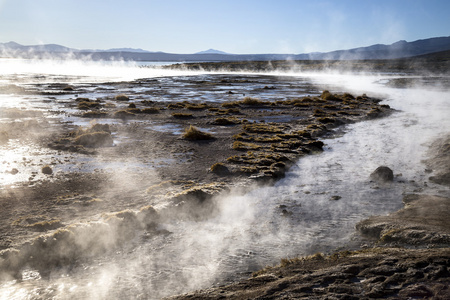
x,y
299,215
85,70
252,231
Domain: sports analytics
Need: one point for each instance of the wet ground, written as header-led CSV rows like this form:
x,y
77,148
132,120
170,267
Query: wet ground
x,y
41,112
147,149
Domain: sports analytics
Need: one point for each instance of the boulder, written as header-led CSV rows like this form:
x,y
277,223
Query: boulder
x,y
47,170
382,174
220,169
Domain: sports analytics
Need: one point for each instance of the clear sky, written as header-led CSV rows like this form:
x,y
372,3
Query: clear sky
x,y
234,26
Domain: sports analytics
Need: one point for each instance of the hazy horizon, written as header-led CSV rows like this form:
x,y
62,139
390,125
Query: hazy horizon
x,y
244,27
205,51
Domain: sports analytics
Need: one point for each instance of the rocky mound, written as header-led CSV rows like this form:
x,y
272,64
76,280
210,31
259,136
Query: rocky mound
x,y
423,221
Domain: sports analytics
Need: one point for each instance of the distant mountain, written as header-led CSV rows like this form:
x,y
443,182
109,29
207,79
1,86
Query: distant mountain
x,y
50,48
211,51
13,46
138,50
400,49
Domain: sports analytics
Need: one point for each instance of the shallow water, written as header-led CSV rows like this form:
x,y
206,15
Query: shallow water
x,y
297,216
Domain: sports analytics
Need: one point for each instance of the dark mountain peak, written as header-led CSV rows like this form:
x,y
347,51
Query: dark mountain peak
x,y
51,48
401,42
211,51
126,50
12,44
43,47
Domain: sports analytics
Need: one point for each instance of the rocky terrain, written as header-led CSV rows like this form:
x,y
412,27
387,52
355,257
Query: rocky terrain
x,y
388,273
180,151
409,258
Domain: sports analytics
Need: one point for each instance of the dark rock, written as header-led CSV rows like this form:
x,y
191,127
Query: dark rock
x,y
315,145
377,291
414,273
443,179
416,291
220,169
277,288
47,170
303,289
395,279
441,272
375,279
388,262
285,212
382,270
340,289
352,269
122,97
382,174
420,264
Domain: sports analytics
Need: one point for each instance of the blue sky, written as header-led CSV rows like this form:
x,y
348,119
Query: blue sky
x,y
244,26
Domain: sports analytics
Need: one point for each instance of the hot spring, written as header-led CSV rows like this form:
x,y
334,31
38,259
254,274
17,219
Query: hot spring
x,y
313,209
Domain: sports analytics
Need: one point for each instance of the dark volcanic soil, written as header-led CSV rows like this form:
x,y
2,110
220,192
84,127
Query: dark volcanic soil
x,y
136,157
375,273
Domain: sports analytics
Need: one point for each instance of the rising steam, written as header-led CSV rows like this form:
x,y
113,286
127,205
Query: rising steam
x,y
152,253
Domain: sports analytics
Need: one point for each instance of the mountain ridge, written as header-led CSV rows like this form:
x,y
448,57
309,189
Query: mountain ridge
x,y
399,49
